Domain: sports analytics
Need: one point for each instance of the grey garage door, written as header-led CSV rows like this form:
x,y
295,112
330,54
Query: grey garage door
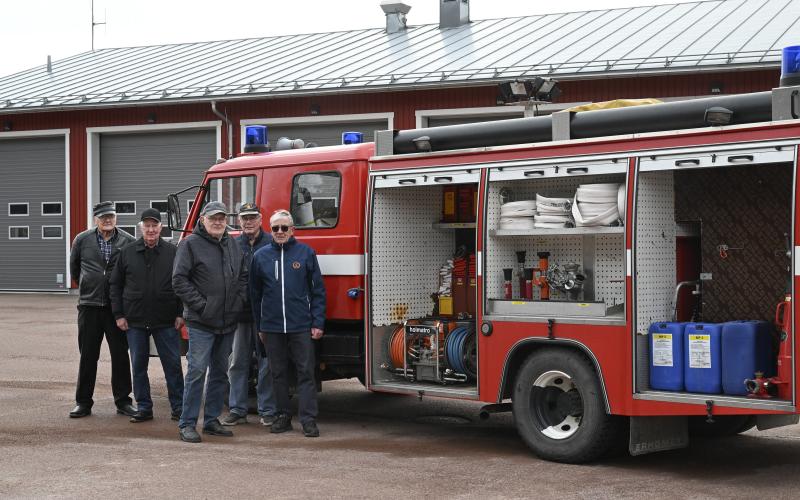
x,y
137,171
328,134
458,120
33,239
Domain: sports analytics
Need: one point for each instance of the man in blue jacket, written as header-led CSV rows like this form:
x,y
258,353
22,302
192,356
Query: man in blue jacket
x,y
288,300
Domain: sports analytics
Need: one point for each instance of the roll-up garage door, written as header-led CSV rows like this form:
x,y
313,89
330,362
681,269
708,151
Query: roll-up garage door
x,y
458,120
137,171
33,211
327,134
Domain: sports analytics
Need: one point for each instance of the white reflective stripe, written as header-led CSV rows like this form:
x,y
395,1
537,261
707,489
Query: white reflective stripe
x,y
342,265
283,299
479,268
628,263
797,261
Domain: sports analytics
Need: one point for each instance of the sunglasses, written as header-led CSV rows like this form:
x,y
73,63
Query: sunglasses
x,y
285,229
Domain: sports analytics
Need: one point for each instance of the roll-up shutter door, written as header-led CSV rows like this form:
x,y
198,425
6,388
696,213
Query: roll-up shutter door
x,y
139,170
33,211
327,134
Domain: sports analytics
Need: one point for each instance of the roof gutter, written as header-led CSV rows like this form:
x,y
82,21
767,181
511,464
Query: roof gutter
x,y
224,117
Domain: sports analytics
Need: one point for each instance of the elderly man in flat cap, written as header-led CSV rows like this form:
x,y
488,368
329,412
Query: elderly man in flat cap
x,y
210,277
145,306
94,253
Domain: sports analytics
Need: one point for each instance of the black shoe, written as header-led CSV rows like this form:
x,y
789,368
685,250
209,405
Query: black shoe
x,y
80,411
175,415
216,429
127,409
282,423
310,429
189,434
141,416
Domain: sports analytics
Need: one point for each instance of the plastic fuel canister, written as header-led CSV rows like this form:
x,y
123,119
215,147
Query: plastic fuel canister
x,y
746,349
702,363
666,356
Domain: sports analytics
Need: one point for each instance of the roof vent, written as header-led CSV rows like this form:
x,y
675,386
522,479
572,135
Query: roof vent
x,y
395,15
49,65
453,13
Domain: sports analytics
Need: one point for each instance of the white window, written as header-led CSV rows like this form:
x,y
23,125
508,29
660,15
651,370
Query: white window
x,y
166,233
128,229
17,209
18,233
51,208
189,205
125,207
52,232
160,205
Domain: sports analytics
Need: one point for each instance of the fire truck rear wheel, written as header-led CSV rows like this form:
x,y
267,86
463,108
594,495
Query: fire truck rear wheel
x,y
559,408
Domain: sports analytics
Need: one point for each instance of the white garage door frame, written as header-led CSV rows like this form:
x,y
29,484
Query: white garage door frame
x,y
55,132
422,115
93,137
317,120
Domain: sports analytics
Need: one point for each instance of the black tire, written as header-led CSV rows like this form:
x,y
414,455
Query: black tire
x,y
559,408
723,425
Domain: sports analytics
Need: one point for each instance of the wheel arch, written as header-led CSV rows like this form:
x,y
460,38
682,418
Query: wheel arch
x,y
520,351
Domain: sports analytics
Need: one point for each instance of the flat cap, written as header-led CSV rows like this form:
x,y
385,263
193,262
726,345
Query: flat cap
x,y
249,209
151,213
103,208
213,208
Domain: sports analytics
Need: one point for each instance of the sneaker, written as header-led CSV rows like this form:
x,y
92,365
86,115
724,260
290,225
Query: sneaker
x,y
267,420
189,435
175,415
282,423
216,429
234,419
310,429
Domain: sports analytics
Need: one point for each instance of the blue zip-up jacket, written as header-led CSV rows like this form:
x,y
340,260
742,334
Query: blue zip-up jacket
x,y
263,239
286,288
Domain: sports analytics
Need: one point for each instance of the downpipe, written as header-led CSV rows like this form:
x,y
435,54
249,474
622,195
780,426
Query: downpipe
x,y
224,117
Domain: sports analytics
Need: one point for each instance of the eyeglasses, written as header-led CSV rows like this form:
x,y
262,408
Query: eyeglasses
x,y
283,228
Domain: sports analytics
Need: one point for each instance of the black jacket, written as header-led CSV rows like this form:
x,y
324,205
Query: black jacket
x,y
210,277
141,286
90,269
248,250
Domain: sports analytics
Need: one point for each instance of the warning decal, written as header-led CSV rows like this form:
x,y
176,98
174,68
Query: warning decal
x,y
699,351
662,349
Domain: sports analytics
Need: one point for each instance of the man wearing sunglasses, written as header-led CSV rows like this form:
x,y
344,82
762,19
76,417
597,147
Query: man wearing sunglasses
x,y
288,300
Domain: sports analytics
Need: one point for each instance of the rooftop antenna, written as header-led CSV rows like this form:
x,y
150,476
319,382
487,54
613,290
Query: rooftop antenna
x,y
95,24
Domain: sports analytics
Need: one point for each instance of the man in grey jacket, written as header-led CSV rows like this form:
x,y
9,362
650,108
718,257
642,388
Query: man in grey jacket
x,y
91,260
211,279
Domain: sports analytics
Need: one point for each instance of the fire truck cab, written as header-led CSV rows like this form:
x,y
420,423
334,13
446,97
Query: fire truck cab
x,y
609,276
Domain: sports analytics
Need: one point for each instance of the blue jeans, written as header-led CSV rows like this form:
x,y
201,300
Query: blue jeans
x,y
207,351
244,345
167,342
281,347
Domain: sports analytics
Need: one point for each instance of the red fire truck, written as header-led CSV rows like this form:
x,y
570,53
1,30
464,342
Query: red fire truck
x,y
613,276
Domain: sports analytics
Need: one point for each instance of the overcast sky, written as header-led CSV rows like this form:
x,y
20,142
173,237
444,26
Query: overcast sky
x,y
34,29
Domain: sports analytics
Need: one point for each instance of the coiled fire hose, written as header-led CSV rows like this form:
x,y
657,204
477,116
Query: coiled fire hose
x,y
460,351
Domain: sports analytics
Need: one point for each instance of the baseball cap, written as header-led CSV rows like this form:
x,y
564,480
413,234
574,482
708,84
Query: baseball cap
x,y
151,213
249,209
103,208
213,208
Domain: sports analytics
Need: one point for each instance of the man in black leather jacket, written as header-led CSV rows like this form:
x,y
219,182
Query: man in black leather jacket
x,y
210,277
92,259
145,305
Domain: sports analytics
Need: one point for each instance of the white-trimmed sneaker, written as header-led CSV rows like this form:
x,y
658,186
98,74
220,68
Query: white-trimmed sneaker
x,y
267,420
234,419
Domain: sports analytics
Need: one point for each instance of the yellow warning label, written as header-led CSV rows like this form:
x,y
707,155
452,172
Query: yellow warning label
x,y
662,336
518,303
700,337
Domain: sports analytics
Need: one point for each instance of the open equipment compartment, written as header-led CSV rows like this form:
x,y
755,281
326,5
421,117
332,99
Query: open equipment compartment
x,y
413,234
735,205
577,274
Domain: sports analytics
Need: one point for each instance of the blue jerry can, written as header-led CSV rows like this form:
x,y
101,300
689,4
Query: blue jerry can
x,y
666,356
702,358
746,349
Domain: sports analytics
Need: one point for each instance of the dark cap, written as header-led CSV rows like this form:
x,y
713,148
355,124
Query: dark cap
x,y
104,208
213,208
249,209
151,213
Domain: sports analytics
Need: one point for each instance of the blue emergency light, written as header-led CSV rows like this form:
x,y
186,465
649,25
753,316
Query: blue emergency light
x,y
352,137
255,139
790,66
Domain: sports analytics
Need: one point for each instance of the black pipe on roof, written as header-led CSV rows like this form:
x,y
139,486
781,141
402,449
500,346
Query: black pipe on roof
x,y
678,115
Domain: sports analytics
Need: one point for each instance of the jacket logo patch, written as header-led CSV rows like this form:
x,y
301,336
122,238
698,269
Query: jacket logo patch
x,y
295,265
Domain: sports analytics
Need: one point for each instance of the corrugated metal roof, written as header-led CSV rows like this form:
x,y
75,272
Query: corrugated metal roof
x,y
696,36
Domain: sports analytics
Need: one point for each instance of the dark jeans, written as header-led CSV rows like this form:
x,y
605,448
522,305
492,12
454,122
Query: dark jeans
x,y
93,322
167,342
300,349
208,352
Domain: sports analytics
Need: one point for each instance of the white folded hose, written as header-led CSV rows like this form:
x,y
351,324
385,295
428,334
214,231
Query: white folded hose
x,y
621,198
516,223
596,205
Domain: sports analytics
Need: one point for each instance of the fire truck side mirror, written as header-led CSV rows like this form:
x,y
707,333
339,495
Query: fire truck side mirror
x,y
173,212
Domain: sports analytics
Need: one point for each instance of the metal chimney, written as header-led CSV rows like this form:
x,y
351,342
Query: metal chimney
x,y
395,15
453,13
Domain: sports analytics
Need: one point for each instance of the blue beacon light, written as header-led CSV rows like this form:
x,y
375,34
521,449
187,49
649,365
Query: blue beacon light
x,y
352,137
790,66
255,139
